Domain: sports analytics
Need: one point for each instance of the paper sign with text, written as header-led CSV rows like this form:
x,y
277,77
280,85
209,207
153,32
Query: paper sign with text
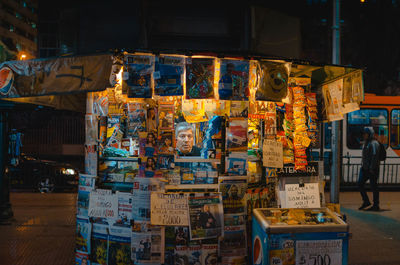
x,y
272,154
309,252
169,209
103,205
302,197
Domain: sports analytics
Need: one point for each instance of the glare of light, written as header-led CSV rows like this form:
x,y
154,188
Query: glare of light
x,y
22,56
362,1
68,171
119,76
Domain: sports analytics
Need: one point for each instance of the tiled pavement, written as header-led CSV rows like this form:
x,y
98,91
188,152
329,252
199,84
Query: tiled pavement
x,y
43,230
44,226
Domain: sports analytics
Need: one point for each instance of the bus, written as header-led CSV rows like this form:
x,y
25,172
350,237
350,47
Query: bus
x,y
382,113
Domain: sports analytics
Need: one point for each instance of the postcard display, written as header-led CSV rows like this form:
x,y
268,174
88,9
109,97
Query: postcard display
x,y
180,150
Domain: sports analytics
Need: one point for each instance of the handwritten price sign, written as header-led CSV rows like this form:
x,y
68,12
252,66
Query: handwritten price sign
x,y
169,209
103,205
319,252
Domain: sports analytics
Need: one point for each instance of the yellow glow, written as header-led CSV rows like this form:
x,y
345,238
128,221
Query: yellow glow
x,y
22,56
119,76
362,1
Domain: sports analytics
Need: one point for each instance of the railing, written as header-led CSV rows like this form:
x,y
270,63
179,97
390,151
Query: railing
x,y
388,173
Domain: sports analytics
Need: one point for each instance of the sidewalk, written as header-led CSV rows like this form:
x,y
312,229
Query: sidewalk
x,y
43,232
375,235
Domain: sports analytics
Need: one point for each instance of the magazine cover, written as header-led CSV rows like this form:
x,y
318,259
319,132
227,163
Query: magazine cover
x,y
142,188
147,144
170,244
235,219
198,172
81,258
147,244
194,253
214,107
194,110
99,244
136,119
234,80
236,135
181,255
114,132
82,235
233,190
234,242
236,164
209,254
199,78
168,76
119,246
166,143
239,109
86,185
166,116
148,167
125,206
138,71
206,216
165,161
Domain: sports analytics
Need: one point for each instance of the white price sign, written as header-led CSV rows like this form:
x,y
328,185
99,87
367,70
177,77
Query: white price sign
x,y
319,252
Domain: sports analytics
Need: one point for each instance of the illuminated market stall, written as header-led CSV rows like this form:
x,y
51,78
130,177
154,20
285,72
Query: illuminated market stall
x,y
181,150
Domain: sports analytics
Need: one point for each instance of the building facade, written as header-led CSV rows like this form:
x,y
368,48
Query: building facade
x,y
18,27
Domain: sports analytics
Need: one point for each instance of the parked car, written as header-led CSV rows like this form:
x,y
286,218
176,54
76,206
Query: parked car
x,y
42,175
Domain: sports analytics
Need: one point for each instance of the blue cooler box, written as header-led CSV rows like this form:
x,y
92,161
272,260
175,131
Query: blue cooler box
x,y
279,239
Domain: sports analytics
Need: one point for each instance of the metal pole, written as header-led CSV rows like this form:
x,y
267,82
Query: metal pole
x,y
336,169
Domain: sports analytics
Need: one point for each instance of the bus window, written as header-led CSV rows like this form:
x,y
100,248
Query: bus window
x,y
327,135
395,129
358,120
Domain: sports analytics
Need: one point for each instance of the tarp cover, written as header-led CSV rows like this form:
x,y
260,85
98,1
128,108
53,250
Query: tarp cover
x,y
54,76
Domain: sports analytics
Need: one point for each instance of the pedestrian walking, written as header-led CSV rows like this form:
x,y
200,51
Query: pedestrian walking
x,y
369,169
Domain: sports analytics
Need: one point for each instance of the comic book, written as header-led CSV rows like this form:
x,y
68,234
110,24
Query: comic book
x,y
114,131
138,71
168,76
99,246
206,216
119,248
81,258
86,184
234,80
82,235
236,135
199,78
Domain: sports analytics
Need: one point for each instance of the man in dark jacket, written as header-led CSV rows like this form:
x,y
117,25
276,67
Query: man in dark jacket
x,y
369,169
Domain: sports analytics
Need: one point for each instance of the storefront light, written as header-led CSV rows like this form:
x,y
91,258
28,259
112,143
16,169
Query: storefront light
x,y
68,171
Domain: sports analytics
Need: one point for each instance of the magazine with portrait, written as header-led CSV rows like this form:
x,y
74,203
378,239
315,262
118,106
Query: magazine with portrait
x,y
166,143
166,116
148,146
99,244
165,162
119,245
199,78
82,235
147,245
234,80
198,141
138,71
206,216
233,190
168,76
